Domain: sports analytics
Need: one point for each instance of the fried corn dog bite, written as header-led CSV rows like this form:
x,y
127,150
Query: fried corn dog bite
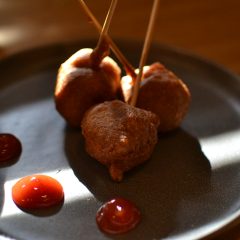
x,y
80,86
87,78
162,93
119,136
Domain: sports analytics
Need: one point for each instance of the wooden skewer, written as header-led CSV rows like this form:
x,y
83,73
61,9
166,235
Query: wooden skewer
x,y
102,48
145,51
127,66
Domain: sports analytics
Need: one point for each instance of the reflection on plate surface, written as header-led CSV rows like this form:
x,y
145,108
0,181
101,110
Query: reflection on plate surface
x,y
187,190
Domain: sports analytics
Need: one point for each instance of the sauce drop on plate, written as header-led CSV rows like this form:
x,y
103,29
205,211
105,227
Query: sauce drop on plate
x,y
117,216
37,191
10,147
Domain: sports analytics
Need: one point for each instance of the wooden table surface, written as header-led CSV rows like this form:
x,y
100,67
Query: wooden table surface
x,y
208,28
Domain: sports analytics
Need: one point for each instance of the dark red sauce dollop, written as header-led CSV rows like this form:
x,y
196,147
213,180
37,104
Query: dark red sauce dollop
x,y
37,191
10,147
117,216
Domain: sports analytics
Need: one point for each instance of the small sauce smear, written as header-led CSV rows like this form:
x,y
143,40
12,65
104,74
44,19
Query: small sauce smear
x,y
10,147
117,216
37,191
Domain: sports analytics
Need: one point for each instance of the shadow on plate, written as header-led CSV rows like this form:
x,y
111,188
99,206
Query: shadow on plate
x,y
177,172
2,180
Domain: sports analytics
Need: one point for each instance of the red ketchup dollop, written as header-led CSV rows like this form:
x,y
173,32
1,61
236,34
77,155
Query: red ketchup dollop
x,y
10,147
37,191
117,216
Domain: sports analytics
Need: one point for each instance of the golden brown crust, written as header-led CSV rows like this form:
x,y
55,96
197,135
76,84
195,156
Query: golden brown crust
x,y
78,86
163,93
119,136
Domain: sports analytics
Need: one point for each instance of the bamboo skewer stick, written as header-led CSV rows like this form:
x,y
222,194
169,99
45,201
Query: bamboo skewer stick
x,y
127,66
145,51
102,48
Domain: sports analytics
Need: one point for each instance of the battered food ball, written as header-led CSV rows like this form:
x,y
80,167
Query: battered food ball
x,y
162,93
119,136
80,86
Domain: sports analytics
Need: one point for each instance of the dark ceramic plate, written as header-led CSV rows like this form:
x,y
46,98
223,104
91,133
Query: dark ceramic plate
x,y
189,189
